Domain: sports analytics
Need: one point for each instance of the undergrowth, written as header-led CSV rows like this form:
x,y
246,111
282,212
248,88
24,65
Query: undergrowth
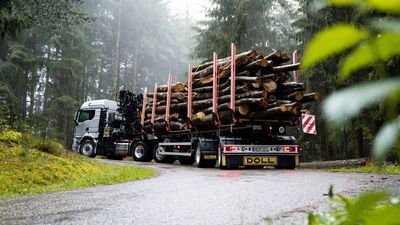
x,y
29,165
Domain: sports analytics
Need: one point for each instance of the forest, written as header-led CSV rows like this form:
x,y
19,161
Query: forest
x,y
55,55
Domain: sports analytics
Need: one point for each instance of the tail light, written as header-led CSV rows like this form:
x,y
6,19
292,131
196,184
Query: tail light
x,y
290,149
230,148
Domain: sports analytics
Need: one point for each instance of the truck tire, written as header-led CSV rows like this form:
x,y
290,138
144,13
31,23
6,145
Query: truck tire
x,y
200,162
161,158
87,148
140,152
186,160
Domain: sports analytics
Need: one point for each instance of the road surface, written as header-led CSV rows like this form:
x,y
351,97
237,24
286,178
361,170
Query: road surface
x,y
188,195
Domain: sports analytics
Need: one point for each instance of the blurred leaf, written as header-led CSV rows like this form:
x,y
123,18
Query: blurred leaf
x,y
360,207
331,41
386,139
390,6
390,25
348,102
343,2
380,48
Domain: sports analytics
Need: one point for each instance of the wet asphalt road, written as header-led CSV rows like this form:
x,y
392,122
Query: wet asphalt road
x,y
188,195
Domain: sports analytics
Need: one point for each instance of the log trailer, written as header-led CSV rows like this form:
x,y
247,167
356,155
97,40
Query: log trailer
x,y
228,144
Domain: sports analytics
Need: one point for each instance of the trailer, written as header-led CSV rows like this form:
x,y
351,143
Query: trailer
x,y
117,129
241,142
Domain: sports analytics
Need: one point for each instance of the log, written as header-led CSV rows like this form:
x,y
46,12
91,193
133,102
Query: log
x,y
265,114
285,68
164,102
273,77
223,66
243,105
161,126
257,64
282,77
178,87
270,86
251,54
311,97
163,95
295,96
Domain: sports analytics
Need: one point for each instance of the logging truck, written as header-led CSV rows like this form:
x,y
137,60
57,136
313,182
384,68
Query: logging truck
x,y
218,134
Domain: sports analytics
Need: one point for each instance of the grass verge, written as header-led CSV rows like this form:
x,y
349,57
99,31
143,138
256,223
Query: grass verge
x,y
24,169
393,169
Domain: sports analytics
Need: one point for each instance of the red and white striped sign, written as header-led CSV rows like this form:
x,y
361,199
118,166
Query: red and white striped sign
x,y
308,124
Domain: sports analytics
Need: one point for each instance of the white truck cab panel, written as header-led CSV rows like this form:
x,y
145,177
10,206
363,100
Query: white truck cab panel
x,y
87,120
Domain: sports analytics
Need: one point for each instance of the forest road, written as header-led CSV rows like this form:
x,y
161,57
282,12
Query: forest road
x,y
188,195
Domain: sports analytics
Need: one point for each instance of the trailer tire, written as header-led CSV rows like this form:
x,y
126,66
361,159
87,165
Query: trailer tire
x,y
140,152
186,160
161,158
200,162
87,148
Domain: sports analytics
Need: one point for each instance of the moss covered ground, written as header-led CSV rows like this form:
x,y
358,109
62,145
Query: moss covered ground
x,y
29,166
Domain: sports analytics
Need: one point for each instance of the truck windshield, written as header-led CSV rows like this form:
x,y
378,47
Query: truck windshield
x,y
86,115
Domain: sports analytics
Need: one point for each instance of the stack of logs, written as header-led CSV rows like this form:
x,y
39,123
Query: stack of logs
x,y
262,92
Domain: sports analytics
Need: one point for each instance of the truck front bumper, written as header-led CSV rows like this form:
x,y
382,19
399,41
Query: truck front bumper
x,y
287,160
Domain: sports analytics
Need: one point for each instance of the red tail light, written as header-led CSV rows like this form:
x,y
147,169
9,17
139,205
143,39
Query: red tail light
x,y
290,149
230,148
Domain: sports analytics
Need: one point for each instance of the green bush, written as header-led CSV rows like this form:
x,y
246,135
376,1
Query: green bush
x,y
50,147
10,136
370,208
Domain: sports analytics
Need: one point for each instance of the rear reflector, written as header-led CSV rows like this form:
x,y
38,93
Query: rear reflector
x,y
230,148
290,149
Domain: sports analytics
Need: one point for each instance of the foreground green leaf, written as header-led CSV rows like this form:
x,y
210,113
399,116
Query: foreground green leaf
x,y
390,6
380,48
331,41
386,139
348,102
343,2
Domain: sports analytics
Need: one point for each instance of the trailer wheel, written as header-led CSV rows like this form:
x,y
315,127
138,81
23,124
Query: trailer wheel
x,y
140,152
87,148
161,158
186,160
200,162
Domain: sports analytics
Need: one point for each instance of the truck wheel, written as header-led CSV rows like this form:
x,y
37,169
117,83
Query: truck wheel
x,y
140,152
200,162
161,158
87,148
186,160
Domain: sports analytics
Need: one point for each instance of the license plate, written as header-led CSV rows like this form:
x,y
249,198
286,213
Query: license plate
x,y
260,160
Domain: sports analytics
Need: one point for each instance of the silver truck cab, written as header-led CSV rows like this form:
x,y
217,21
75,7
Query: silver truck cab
x,y
87,124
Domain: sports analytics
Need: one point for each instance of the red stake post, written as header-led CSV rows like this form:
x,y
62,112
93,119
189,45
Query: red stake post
x,y
215,90
233,75
144,107
190,84
153,110
167,110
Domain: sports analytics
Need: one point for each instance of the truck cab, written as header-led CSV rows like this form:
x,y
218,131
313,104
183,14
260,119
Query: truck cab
x,y
90,121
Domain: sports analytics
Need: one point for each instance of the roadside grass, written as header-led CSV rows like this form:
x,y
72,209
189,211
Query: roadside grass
x,y
24,169
392,169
